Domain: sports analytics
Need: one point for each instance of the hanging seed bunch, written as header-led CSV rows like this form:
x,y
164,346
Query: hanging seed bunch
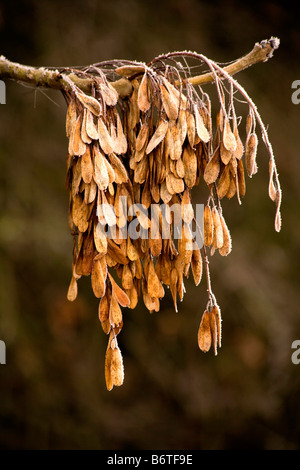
x,y
131,167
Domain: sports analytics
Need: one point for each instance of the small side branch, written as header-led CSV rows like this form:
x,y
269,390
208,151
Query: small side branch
x,y
261,52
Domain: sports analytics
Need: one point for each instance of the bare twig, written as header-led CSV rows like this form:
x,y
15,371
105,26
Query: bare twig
x,y
261,52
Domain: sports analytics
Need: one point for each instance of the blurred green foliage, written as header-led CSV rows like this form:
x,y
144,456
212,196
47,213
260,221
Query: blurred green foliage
x,y
52,389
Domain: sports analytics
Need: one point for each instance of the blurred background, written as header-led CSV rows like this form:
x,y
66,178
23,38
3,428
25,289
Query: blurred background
x,y
52,389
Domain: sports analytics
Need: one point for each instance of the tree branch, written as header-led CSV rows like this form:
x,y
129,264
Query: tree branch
x,y
261,52
47,78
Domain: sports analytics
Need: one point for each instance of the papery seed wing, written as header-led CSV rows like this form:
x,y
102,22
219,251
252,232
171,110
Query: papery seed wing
x,y
120,295
71,117
228,136
204,333
129,70
212,168
200,127
90,103
143,94
157,137
100,170
105,138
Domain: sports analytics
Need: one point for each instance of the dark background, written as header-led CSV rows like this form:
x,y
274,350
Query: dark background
x,y
52,389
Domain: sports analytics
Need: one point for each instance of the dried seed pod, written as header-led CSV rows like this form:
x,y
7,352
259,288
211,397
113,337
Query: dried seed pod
x,y
98,279
224,182
157,137
226,155
121,175
218,231
182,125
249,123
180,97
228,136
220,120
100,171
133,297
107,211
90,126
105,140
109,94
155,241
78,146
71,117
165,195
191,128
129,70
118,292
204,333
251,151
200,127
189,159
120,137
143,100
196,264
80,213
111,175
73,290
89,102
176,184
142,137
217,314
115,253
151,303
84,262
212,169
213,332
115,313
208,227
114,371
239,151
170,103
241,178
173,286
132,252
87,166
232,187
127,278
176,146
179,167
278,214
117,369
227,245
185,244
100,239
108,377
187,208
76,177
103,312
154,286
272,190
